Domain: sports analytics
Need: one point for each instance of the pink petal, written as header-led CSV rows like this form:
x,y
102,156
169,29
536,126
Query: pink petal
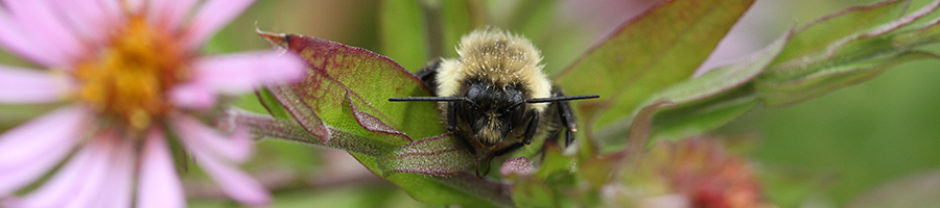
x,y
159,185
193,96
239,73
87,18
236,184
75,182
169,13
23,86
112,10
197,136
92,186
52,192
211,17
116,190
41,20
35,147
37,137
16,40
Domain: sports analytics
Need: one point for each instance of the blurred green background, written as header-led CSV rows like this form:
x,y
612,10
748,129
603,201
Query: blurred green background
x,y
825,152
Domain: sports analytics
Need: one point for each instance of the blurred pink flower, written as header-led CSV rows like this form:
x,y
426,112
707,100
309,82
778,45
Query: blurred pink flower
x,y
131,76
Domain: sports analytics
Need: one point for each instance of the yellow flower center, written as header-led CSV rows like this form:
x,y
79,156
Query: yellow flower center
x,y
128,81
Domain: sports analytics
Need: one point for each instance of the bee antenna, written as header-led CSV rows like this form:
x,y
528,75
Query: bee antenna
x,y
427,99
562,98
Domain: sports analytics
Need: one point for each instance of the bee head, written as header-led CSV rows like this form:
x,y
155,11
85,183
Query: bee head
x,y
492,112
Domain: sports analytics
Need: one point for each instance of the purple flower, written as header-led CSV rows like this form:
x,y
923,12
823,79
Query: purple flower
x,y
131,77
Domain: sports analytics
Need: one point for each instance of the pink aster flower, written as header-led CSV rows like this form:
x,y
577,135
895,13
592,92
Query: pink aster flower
x,y
131,78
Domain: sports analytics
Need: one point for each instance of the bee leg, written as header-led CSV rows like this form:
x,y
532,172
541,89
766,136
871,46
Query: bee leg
x,y
452,127
508,149
566,116
526,137
428,75
531,129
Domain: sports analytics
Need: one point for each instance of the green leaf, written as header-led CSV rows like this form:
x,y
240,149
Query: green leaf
x,y
554,162
846,60
921,36
404,33
832,78
456,21
820,33
343,103
529,192
648,53
598,170
722,94
535,19
699,118
544,24
713,99
722,79
866,41
271,104
439,155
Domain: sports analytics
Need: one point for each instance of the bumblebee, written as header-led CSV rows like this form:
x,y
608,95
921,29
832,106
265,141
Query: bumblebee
x,y
494,98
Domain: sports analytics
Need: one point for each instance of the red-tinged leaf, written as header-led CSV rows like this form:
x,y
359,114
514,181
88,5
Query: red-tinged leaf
x,y
652,51
308,119
370,122
343,78
440,155
929,33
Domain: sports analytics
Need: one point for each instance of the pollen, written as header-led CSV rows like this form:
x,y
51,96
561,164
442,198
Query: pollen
x,y
128,80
